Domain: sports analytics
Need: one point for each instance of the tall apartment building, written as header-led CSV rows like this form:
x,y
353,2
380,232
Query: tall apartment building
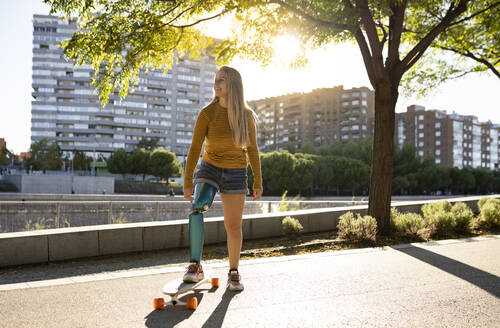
x,y
453,140
66,108
321,117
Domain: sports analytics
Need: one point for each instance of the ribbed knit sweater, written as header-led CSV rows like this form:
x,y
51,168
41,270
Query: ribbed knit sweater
x,y
212,125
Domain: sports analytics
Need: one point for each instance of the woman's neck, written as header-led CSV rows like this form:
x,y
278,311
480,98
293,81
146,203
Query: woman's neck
x,y
223,102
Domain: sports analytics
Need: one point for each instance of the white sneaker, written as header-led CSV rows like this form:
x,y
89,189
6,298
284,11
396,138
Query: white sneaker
x,y
194,273
234,281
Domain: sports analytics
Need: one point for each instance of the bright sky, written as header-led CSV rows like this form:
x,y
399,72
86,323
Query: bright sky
x,y
337,65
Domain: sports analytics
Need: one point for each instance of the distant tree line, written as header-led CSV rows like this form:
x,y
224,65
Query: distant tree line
x,y
159,162
147,159
344,169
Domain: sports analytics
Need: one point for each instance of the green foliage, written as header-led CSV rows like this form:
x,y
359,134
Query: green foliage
x,y
81,162
443,218
291,226
119,219
482,201
490,213
164,164
285,204
409,224
463,216
118,162
357,228
148,144
139,161
40,224
5,156
45,155
431,209
464,54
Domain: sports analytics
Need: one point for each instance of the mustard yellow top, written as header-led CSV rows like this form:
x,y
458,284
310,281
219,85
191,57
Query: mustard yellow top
x,y
212,125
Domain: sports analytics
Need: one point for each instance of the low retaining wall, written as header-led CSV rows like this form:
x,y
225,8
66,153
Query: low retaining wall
x,y
62,184
71,243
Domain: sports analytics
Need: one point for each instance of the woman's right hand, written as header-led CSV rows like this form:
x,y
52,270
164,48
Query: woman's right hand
x,y
188,194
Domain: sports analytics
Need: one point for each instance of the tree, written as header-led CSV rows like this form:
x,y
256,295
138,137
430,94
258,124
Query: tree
x,y
307,148
277,169
465,55
5,156
164,164
81,161
118,162
127,36
140,162
45,155
148,143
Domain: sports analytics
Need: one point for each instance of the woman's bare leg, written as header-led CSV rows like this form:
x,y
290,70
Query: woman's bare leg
x,y
233,212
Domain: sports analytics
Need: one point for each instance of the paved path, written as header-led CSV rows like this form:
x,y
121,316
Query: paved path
x,y
451,283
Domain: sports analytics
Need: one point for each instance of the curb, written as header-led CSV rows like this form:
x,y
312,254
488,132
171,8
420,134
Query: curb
x,y
222,264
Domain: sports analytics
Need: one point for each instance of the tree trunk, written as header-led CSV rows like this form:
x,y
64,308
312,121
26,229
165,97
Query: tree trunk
x,y
379,205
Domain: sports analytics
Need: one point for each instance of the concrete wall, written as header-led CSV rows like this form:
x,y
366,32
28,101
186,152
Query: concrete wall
x,y
62,184
70,243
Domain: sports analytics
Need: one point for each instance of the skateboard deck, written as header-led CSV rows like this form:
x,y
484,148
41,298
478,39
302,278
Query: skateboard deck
x,y
177,287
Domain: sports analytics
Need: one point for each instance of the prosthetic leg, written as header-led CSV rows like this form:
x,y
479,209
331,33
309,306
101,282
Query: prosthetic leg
x,y
204,194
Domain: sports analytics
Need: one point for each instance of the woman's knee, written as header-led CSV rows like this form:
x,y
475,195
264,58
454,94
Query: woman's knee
x,y
233,227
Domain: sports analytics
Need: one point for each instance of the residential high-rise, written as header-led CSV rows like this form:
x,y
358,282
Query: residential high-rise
x,y
453,140
66,108
321,117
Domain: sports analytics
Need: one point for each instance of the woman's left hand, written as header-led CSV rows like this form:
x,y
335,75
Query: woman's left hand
x,y
257,193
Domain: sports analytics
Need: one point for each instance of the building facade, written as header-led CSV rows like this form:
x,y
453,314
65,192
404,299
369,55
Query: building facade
x,y
321,117
66,108
453,140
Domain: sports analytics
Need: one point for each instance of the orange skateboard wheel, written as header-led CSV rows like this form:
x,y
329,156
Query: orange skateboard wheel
x,y
215,282
192,303
159,303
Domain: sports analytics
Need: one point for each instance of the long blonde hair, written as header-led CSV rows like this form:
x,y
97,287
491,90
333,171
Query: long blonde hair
x,y
237,108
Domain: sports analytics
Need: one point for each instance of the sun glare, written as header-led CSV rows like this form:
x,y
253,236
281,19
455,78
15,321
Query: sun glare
x,y
286,48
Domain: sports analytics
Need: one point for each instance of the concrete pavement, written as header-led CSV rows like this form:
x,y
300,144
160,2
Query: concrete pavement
x,y
451,283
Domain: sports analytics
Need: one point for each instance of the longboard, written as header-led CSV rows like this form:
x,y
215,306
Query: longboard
x,y
177,287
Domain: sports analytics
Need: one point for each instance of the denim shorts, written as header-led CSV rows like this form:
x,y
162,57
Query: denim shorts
x,y
227,181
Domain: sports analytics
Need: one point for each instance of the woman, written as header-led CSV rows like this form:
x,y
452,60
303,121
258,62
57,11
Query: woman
x,y
228,126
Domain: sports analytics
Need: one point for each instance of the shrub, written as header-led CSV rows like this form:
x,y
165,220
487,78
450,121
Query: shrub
x,y
429,210
409,224
439,218
291,226
441,223
481,202
463,217
357,228
490,213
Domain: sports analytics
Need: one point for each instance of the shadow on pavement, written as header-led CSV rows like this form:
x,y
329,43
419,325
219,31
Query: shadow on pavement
x,y
87,266
482,279
171,315
217,316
